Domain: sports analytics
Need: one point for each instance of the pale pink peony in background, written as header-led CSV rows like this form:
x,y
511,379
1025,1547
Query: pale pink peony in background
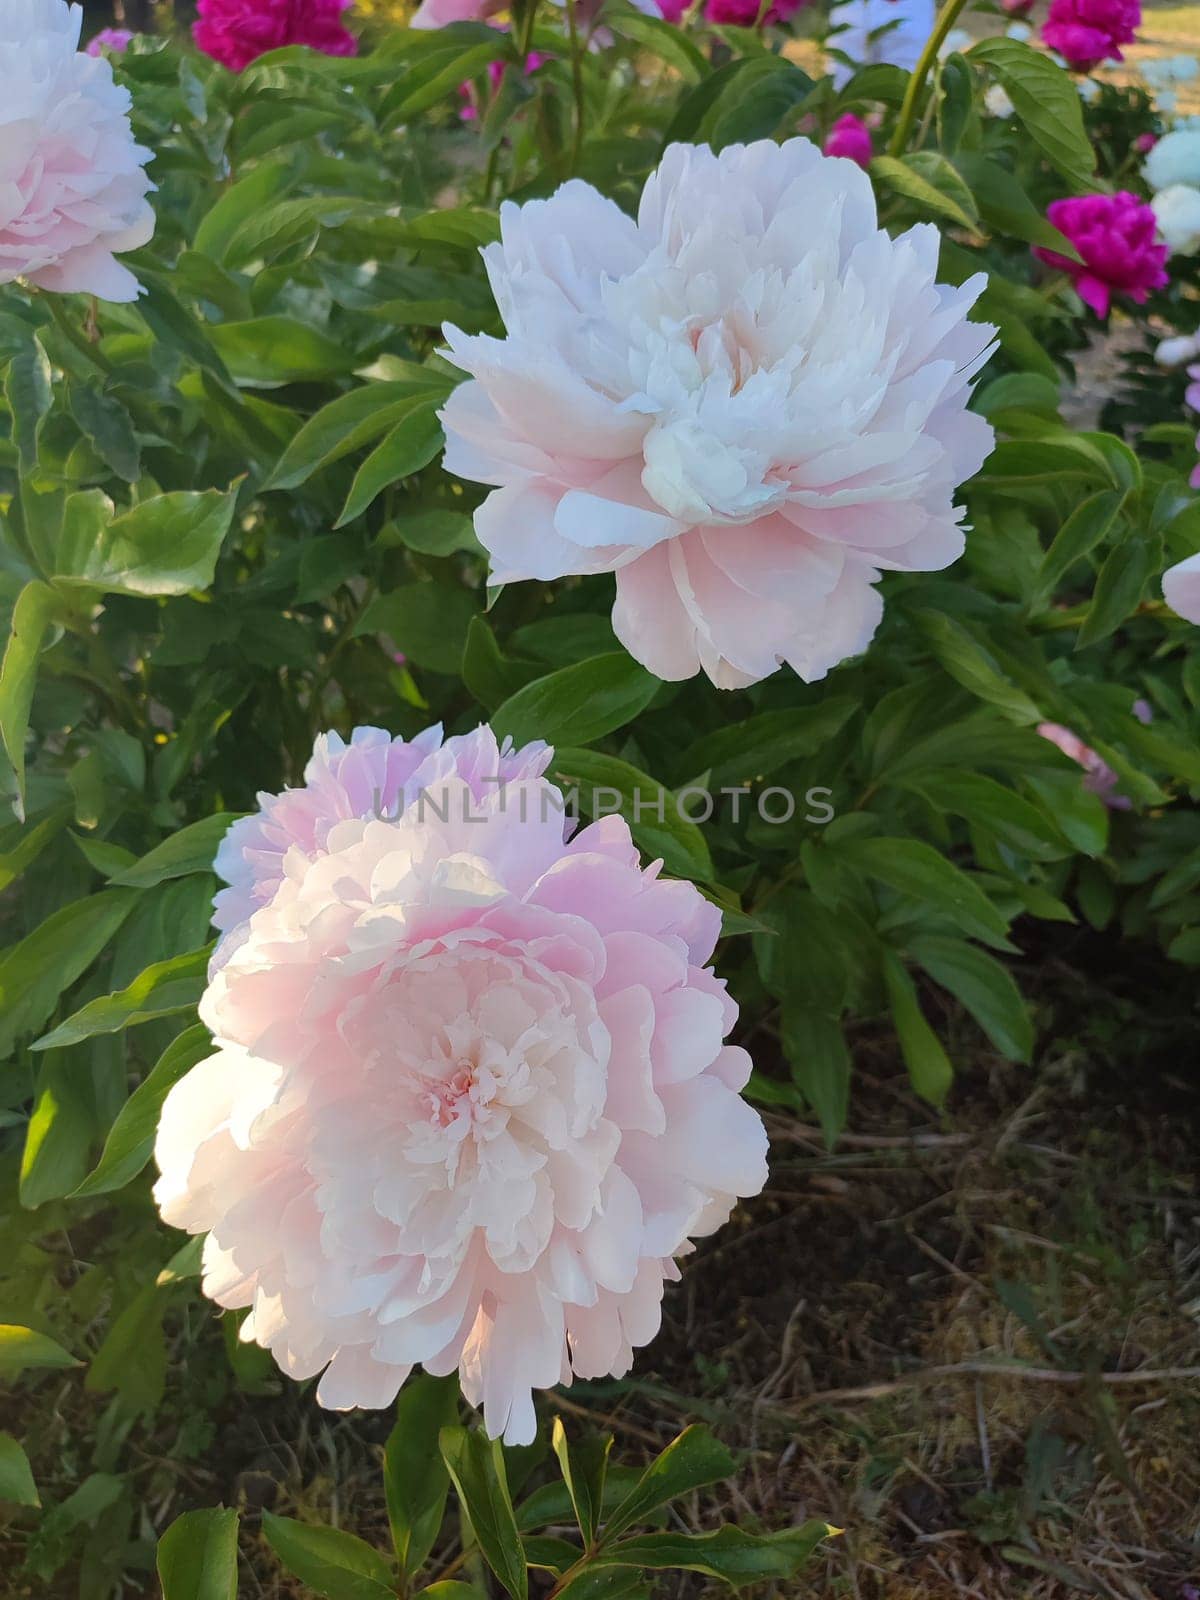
x,y
114,39
72,180
744,403
1181,588
237,32
469,1099
375,775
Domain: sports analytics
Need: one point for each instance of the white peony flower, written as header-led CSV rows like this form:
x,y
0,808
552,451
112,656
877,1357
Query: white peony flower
x,y
72,185
956,39
1177,209
1175,352
1169,71
1020,31
1174,159
1089,89
470,1096
745,404
997,101
908,24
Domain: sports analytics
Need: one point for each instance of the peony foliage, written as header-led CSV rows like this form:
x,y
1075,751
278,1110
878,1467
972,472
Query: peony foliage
x,y
547,580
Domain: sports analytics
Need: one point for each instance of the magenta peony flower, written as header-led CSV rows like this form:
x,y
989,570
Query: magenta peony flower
x,y
1145,142
1086,32
469,1097
72,180
1017,8
115,40
374,775
744,13
237,32
496,71
673,10
850,137
1115,236
1181,585
744,403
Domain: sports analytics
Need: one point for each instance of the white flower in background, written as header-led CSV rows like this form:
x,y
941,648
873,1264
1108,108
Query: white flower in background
x,y
956,39
1181,348
908,24
745,403
997,101
1167,102
1177,209
470,1098
1169,71
1174,159
1089,89
1181,588
1020,31
72,185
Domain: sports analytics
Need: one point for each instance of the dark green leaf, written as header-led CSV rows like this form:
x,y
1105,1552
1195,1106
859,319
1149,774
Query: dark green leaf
x,y
816,1050
414,1475
919,871
1045,99
759,746
584,1468
161,990
31,618
928,1064
655,815
985,987
35,972
22,1347
192,849
428,621
579,704
336,1564
689,1462
477,1467
412,444
729,1554
16,1479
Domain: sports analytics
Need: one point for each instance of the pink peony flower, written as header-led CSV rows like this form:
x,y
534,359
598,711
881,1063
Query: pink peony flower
x,y
744,13
496,71
1100,778
72,180
1181,588
114,39
1145,142
441,13
469,1099
673,10
744,403
850,137
1115,236
237,32
1017,8
372,776
1086,32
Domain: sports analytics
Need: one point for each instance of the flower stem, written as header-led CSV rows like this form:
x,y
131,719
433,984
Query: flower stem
x,y
577,86
947,17
526,41
76,335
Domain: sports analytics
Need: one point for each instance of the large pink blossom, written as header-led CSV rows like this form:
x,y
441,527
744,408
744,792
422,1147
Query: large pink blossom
x,y
1115,235
744,403
469,1099
115,39
745,13
375,775
72,180
850,137
1086,32
237,32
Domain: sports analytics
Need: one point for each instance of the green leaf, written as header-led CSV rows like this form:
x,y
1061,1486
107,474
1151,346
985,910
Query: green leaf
x,y
985,803
243,199
1045,99
59,1133
192,849
930,182
412,444
655,815
928,1064
428,621
477,1468
551,1502
584,1468
159,991
35,972
130,1141
917,870
969,662
1006,208
1086,527
20,846
1122,580
265,233
197,1556
985,987
273,350
666,40
816,1050
414,1476
594,1582
691,1461
31,618
29,392
22,1347
336,1564
760,745
579,704
347,423
167,545
106,423
489,675
450,1589
728,1554
432,533
16,1479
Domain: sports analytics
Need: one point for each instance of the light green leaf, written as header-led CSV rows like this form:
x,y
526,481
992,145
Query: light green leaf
x,y
816,1050
655,815
928,1064
35,972
22,1347
349,422
584,1467
31,618
415,1478
477,1468
161,990
1086,527
728,1554
166,545
16,1478
1045,99
691,1461
337,1565
197,1556
277,349
930,182
578,704
192,849
983,986
412,444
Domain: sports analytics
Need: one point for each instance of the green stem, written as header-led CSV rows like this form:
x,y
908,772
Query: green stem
x,y
947,17
527,21
77,336
577,86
